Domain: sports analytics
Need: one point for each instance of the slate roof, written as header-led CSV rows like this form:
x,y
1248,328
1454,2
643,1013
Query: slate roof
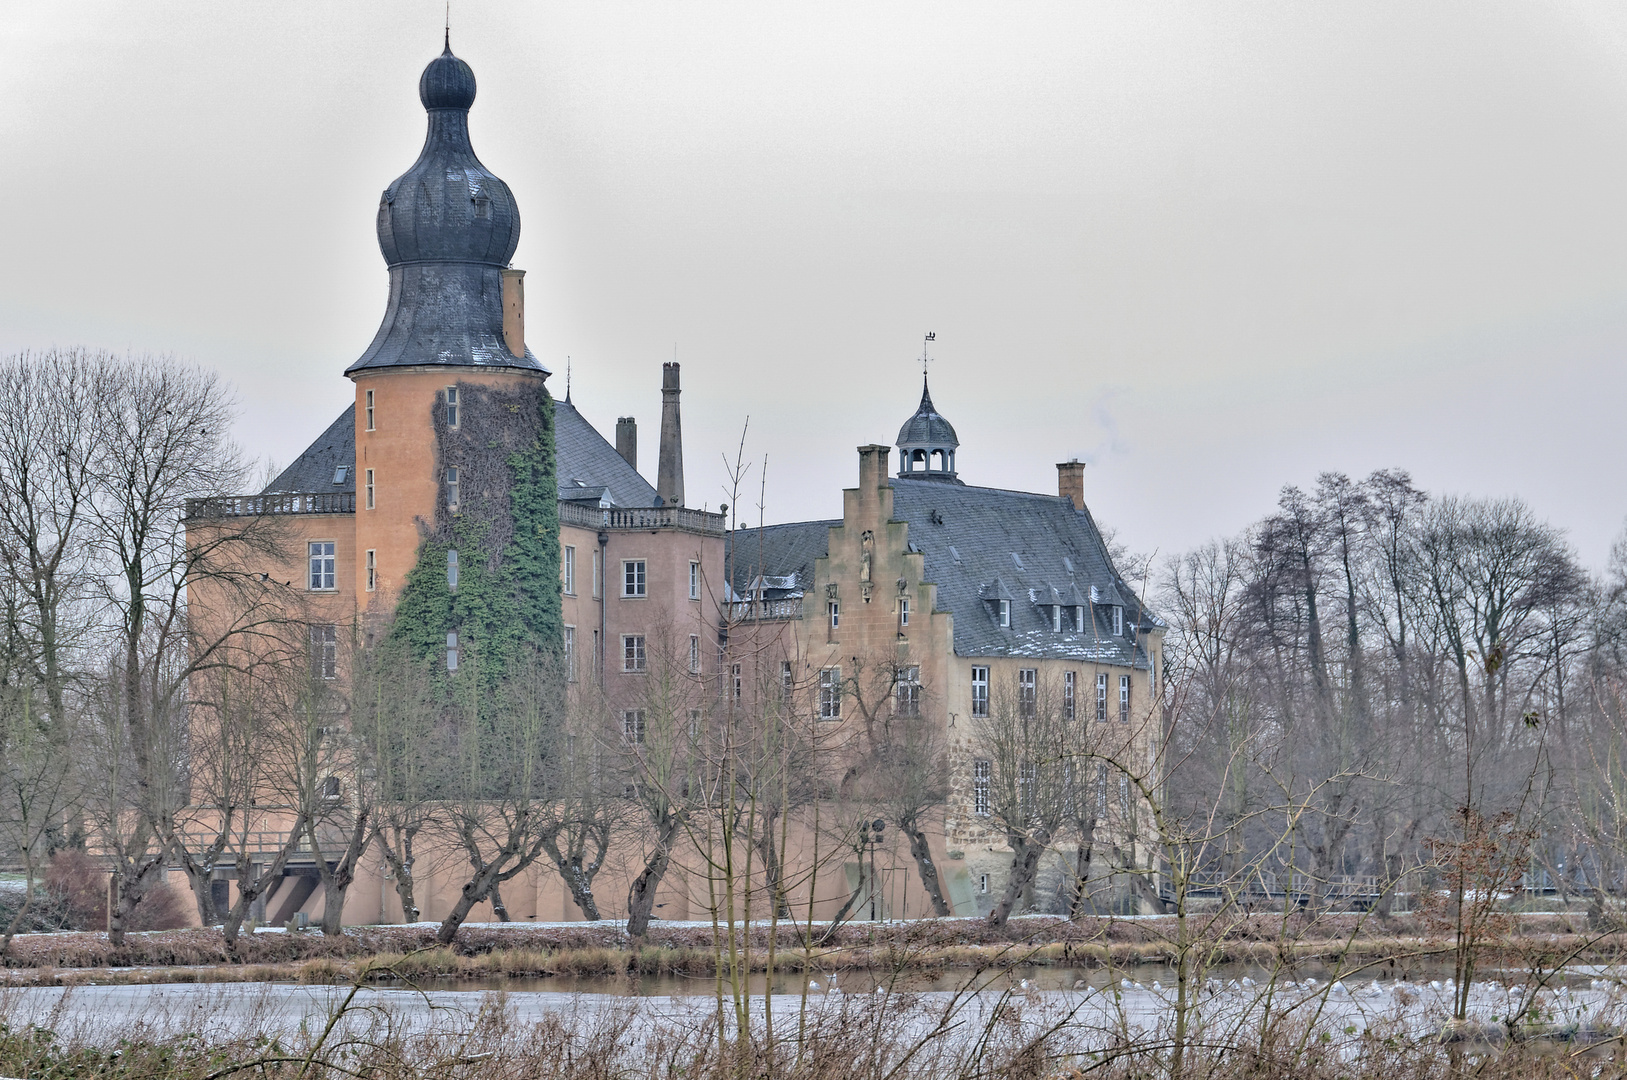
x,y
978,541
446,227
583,455
313,470
927,428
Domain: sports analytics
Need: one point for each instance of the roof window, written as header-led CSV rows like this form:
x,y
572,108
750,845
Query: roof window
x,y
340,473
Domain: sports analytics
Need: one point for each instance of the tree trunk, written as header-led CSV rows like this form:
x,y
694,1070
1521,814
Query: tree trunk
x,y
129,886
927,869
28,902
1025,854
337,879
475,890
1081,872
577,876
773,871
641,894
250,886
400,864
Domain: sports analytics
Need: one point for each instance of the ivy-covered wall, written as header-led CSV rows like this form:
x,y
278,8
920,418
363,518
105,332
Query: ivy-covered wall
x,y
505,531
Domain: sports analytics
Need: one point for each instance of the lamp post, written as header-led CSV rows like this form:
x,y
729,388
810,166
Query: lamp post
x,y
870,836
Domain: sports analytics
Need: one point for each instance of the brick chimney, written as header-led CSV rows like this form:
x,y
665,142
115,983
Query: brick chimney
x,y
669,468
1070,482
514,311
627,440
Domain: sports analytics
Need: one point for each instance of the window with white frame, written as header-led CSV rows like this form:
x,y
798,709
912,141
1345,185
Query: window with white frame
x,y
694,653
694,580
1101,791
1027,782
598,574
369,489
982,883
372,570
570,654
1070,688
1101,697
324,651
830,693
1118,621
369,410
903,611
452,651
453,487
567,570
694,723
1124,699
1056,618
907,692
981,770
980,691
632,725
835,611
1027,691
633,579
737,685
322,577
632,652
787,681
452,569
1004,607
451,406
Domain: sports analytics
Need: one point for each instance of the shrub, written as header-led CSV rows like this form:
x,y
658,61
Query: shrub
x,y
80,883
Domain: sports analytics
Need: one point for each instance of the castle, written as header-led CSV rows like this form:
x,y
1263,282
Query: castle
x,y
454,470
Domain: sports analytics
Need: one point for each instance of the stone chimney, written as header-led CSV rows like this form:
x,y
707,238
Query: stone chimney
x,y
669,469
627,440
514,311
1070,482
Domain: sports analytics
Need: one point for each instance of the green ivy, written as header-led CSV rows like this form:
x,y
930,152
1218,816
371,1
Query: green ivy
x,y
507,601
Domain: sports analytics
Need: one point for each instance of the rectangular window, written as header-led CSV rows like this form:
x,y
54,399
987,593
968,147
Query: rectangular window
x,y
694,581
633,581
694,652
632,652
451,406
452,651
570,654
370,489
835,610
907,692
694,725
598,574
452,570
1101,698
324,651
1118,621
1124,797
632,725
787,681
567,570
369,410
1070,681
452,491
1056,618
1124,699
372,570
980,691
1101,791
1027,782
830,694
322,565
903,611
736,683
982,883
980,787
1027,691
1005,612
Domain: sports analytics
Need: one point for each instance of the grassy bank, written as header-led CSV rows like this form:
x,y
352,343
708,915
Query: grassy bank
x,y
585,949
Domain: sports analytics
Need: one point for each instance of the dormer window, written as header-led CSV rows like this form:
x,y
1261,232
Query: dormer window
x,y
1056,618
1079,619
1118,621
1002,610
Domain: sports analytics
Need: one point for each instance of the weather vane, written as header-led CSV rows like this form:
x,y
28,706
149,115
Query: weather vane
x,y
931,335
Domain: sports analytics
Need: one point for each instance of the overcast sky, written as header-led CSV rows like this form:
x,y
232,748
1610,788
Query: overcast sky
x,y
1209,249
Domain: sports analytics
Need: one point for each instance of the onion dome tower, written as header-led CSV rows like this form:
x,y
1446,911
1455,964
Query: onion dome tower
x,y
448,228
927,443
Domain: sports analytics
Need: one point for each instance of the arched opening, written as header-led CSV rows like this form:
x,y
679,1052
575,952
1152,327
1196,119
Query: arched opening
x,y
940,461
917,457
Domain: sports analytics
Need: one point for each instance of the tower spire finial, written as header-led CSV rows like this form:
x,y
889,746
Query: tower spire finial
x,y
926,359
448,25
567,380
